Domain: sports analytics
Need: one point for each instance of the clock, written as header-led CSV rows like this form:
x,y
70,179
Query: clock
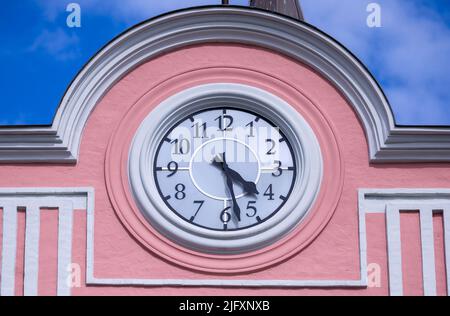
x,y
224,168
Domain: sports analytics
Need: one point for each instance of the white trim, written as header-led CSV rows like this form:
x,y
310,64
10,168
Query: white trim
x,y
33,200
370,201
90,225
446,217
45,197
394,251
63,197
359,283
9,250
60,142
65,228
32,237
246,283
426,201
427,244
362,246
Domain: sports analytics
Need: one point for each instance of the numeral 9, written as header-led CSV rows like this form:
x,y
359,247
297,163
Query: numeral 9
x,y
172,167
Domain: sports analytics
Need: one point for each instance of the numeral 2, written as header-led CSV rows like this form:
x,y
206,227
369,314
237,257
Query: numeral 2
x,y
271,151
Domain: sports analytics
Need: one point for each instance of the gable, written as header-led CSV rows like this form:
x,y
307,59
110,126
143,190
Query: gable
x,y
60,142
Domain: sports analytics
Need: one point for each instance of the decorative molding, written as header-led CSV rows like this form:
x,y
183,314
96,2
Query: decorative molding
x,y
64,201
9,250
384,201
60,142
32,237
125,205
83,199
427,201
246,283
65,230
306,150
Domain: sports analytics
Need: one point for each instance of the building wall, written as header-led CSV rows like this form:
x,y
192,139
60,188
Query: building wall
x,y
331,255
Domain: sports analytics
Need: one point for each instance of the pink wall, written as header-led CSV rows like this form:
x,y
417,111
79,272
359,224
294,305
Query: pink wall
x,y
333,254
441,274
411,251
48,252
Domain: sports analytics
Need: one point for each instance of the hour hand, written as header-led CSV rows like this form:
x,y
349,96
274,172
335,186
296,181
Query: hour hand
x,y
249,187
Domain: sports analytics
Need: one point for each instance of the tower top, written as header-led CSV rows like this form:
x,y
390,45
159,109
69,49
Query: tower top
x,y
291,8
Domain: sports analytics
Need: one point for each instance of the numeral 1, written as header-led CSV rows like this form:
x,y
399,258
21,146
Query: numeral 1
x,y
251,126
200,127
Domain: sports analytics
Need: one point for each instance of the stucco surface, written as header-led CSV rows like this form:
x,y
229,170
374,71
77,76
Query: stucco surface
x,y
439,254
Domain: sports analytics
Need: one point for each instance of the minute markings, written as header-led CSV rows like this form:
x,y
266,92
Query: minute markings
x,y
198,217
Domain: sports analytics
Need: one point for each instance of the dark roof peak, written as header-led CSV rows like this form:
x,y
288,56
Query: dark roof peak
x,y
291,8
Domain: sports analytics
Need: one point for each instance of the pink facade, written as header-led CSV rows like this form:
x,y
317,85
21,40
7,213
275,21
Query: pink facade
x,y
369,220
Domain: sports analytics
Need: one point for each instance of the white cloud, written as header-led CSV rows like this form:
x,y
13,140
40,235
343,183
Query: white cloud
x,y
57,43
409,54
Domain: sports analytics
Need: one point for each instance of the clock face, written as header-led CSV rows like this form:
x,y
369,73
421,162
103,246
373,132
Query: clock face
x,y
225,169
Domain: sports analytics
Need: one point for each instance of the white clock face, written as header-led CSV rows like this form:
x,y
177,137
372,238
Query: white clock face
x,y
225,169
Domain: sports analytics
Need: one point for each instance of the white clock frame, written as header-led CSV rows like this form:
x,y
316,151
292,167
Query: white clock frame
x,y
306,150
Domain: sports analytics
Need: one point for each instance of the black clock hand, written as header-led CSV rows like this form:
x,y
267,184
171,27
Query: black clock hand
x,y
221,162
249,187
236,209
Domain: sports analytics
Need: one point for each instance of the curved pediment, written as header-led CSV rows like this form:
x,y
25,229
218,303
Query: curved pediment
x,y
387,142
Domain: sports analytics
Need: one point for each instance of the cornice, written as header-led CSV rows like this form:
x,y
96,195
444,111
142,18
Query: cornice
x,y
387,142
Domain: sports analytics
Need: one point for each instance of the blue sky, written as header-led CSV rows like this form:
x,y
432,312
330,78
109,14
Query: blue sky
x,y
409,55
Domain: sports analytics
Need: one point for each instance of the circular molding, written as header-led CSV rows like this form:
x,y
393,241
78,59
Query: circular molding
x,y
123,200
306,150
204,191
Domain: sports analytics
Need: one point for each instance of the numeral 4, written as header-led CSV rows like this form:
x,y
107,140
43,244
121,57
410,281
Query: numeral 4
x,y
269,193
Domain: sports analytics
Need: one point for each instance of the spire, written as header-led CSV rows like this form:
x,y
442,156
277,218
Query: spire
x,y
291,8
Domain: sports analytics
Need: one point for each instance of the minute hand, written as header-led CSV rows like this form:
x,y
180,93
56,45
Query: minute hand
x,y
249,187
236,208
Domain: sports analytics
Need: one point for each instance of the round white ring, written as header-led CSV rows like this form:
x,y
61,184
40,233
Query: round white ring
x,y
306,150
217,140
